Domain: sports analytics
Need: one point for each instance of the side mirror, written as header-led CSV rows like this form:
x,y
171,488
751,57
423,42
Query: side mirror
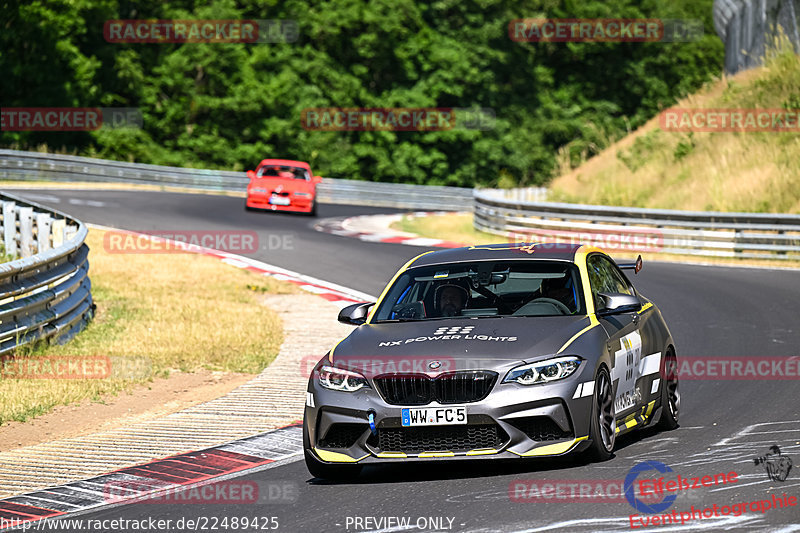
x,y
615,303
251,174
317,179
355,314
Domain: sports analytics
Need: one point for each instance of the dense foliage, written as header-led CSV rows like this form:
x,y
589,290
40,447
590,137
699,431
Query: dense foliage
x,y
229,105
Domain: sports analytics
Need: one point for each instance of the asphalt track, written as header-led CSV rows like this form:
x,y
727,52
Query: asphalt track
x,y
711,311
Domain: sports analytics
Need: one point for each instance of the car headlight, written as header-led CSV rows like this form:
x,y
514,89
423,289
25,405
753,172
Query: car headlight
x,y
543,371
259,191
303,194
340,379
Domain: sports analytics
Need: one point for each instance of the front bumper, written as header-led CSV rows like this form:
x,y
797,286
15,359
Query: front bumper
x,y
261,201
513,421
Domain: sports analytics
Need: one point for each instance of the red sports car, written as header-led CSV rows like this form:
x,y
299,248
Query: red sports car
x,y
282,185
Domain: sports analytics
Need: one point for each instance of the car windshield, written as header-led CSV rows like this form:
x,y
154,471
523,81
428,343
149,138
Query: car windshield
x,y
282,171
484,289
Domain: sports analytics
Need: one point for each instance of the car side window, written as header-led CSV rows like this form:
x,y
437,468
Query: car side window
x,y
621,284
604,277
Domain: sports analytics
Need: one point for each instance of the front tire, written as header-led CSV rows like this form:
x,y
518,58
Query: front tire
x,y
333,472
670,396
602,427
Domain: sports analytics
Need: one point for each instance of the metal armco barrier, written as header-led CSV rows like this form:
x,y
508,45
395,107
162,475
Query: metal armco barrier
x,y
17,165
747,27
46,293
619,229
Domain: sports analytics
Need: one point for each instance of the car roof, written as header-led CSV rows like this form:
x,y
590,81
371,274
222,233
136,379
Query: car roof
x,y
502,252
284,162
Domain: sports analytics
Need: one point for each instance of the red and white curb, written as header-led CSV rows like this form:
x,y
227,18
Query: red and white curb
x,y
377,228
334,293
151,480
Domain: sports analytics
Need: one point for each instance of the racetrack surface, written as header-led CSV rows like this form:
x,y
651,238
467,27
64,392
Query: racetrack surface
x,y
711,311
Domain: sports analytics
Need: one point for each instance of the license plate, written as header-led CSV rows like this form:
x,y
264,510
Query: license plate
x,y
279,200
434,416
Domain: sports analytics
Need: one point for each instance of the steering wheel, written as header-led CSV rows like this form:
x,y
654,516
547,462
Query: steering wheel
x,y
555,303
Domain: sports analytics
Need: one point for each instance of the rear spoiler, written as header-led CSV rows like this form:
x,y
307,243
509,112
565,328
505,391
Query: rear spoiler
x,y
636,266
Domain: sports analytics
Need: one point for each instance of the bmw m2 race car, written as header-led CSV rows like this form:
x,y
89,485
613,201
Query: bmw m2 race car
x,y
497,351
282,185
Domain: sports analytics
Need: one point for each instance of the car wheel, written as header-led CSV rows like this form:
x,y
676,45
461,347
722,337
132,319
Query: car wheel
x,y
313,211
602,428
318,469
670,396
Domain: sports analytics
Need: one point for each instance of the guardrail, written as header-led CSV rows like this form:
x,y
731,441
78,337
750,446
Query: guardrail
x,y
46,293
747,26
742,235
17,165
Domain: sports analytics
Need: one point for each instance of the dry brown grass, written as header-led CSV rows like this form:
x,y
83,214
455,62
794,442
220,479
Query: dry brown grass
x,y
159,313
758,172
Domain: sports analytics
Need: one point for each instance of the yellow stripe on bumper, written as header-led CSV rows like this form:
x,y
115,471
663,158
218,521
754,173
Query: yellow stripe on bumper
x,y
484,451
552,449
336,457
392,455
437,454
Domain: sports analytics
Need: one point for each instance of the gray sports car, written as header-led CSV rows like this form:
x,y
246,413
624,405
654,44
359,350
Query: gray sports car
x,y
497,351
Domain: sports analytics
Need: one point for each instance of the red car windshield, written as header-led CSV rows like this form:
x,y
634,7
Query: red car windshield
x,y
280,171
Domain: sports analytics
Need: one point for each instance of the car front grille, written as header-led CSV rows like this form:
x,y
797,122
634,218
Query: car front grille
x,y
460,438
419,389
540,428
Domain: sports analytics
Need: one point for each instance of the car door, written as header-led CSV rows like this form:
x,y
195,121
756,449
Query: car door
x,y
625,340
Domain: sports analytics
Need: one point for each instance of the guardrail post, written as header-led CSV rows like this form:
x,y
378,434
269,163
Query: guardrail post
x,y
10,228
25,231
43,222
58,229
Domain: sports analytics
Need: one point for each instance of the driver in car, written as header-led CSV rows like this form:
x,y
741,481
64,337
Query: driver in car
x,y
451,299
559,289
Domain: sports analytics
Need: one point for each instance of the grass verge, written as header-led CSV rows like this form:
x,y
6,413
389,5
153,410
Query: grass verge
x,y
162,313
742,171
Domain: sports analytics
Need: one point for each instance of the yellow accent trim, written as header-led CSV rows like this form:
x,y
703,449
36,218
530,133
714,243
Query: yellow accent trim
x,y
649,408
391,282
330,354
580,260
483,451
437,454
581,255
392,455
336,457
593,322
552,449
644,308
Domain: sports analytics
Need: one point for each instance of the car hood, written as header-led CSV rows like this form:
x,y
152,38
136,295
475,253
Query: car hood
x,y
435,346
287,184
